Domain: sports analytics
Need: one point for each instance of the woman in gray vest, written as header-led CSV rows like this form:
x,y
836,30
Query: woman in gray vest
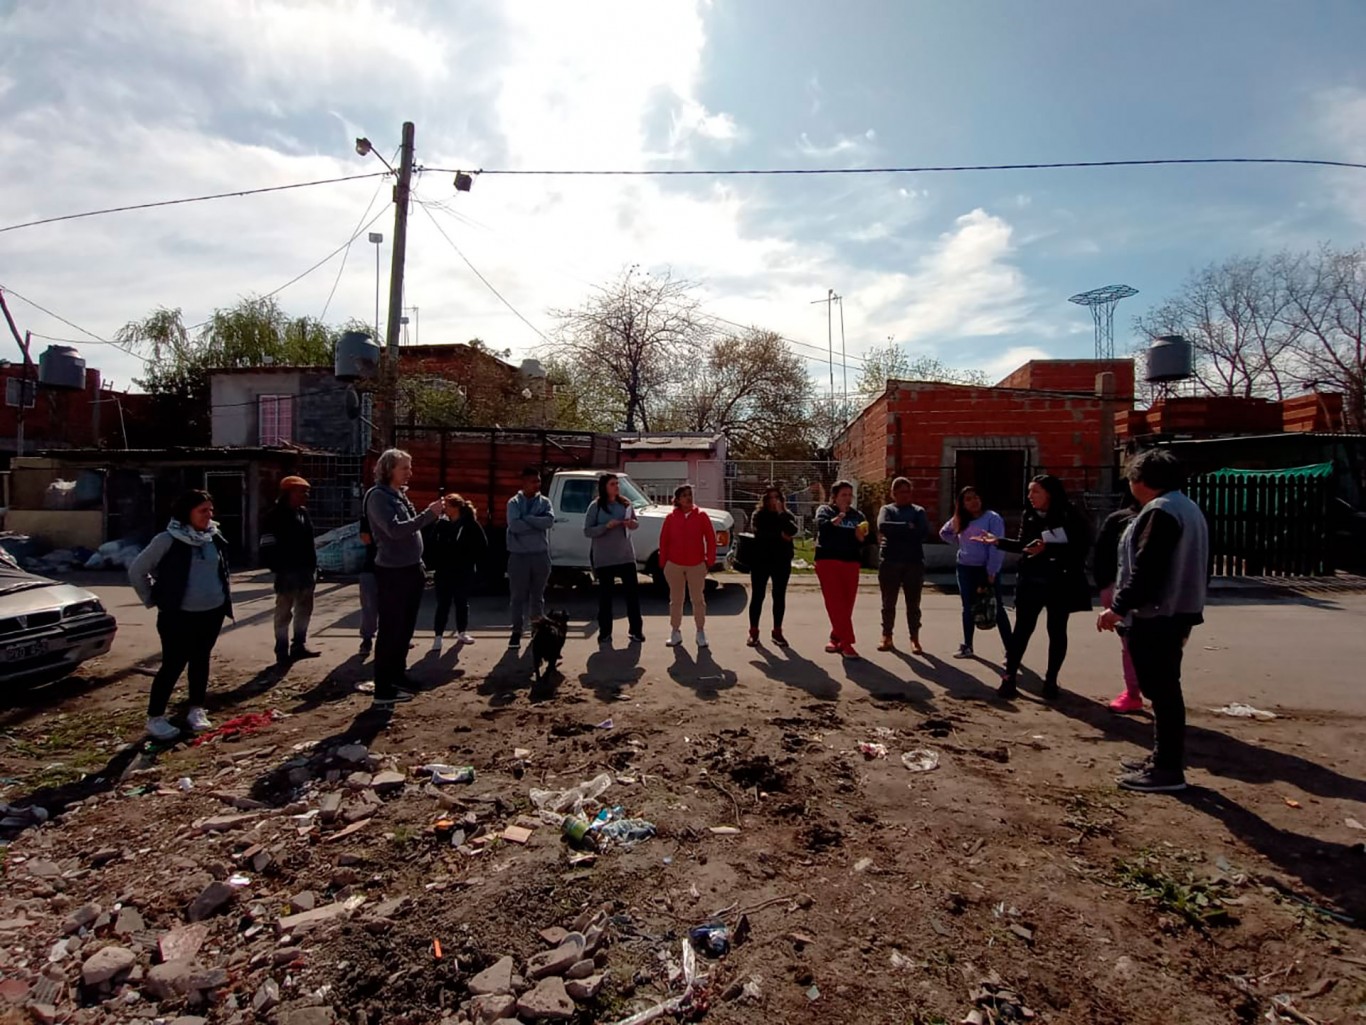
x,y
608,523
183,573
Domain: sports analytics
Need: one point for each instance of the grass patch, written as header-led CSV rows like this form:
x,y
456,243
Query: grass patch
x,y
1199,903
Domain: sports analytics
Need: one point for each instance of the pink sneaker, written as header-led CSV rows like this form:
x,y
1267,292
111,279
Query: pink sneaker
x,y
1127,703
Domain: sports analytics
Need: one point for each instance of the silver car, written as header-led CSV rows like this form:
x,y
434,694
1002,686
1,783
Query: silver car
x,y
47,628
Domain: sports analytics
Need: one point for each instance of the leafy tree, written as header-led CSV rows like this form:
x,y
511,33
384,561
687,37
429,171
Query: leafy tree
x,y
637,335
890,362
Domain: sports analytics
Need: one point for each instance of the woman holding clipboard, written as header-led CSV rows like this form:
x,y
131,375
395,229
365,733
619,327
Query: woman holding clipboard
x,y
1051,577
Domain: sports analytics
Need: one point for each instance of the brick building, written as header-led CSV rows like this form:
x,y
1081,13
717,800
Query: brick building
x,y
1046,417
65,418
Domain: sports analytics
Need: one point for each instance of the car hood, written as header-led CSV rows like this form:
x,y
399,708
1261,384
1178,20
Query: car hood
x,y
50,595
720,519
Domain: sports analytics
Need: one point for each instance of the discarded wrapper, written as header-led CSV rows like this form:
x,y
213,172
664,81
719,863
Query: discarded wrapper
x,y
872,749
1240,711
921,760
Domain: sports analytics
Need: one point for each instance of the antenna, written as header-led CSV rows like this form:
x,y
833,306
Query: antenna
x,y
1103,302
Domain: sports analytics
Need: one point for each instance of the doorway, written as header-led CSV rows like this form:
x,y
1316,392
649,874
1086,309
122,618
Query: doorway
x,y
998,475
229,490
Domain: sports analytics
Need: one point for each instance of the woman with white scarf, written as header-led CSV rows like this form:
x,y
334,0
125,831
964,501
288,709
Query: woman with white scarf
x,y
184,574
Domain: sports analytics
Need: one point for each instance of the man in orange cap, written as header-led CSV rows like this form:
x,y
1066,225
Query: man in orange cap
x,y
287,551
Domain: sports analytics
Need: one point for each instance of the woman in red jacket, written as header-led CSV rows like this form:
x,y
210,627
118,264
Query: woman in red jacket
x,y
687,548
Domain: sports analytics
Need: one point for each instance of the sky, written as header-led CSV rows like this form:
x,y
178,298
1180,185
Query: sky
x,y
105,105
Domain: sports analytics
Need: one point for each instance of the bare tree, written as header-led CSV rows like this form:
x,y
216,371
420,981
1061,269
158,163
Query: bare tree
x,y
1327,291
755,390
637,334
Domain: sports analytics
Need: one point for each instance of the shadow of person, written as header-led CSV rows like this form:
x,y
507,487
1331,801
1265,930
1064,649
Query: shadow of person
x,y
956,683
263,682
701,675
881,683
609,671
343,681
794,670
1218,753
510,674
55,800
275,785
1333,870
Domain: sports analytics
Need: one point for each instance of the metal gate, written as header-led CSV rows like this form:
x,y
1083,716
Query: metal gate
x,y
1268,522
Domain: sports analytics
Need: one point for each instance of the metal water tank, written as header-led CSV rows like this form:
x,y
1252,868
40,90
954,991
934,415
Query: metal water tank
x,y
357,357
61,366
1169,359
532,370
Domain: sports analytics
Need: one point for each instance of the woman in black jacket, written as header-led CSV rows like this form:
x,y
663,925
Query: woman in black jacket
x,y
458,546
774,528
1054,540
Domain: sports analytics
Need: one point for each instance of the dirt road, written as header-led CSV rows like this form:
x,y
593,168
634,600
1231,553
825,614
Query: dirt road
x,y
1012,875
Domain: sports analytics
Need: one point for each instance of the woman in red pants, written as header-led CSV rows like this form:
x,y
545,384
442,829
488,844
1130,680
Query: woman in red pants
x,y
841,533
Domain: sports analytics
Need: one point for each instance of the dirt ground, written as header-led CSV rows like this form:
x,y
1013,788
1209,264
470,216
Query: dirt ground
x,y
1013,881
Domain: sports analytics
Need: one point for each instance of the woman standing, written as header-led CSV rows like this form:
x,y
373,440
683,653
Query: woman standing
x,y
184,574
458,546
399,579
841,533
609,522
1106,565
774,528
1052,577
979,566
687,548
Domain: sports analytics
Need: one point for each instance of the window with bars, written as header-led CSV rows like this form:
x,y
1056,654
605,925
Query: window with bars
x,y
274,419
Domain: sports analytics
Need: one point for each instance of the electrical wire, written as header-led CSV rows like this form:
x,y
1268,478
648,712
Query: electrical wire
x,y
927,169
488,284
56,316
355,235
192,199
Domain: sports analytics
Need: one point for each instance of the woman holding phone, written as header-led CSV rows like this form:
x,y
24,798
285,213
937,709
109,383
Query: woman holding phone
x,y
841,533
1052,577
774,530
609,522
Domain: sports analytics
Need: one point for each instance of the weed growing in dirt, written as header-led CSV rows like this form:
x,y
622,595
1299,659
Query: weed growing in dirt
x,y
1200,903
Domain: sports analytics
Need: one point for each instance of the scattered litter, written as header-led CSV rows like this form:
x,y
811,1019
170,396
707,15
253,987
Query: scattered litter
x,y
365,687
558,802
517,834
885,732
995,1002
1241,711
436,949
724,831
443,775
711,938
521,753
900,961
1290,802
863,864
626,832
683,1002
238,881
814,993
1354,824
185,783
1024,932
921,760
606,724
871,749
583,858
239,727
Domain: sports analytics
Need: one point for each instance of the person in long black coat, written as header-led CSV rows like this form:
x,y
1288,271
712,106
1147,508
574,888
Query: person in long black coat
x,y
458,546
1054,539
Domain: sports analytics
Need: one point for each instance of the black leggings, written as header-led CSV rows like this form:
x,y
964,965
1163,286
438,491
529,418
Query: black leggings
x,y
1028,606
453,589
759,578
187,641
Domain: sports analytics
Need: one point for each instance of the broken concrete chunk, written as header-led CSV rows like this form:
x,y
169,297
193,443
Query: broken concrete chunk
x,y
306,921
497,978
106,963
183,943
225,823
212,899
353,754
305,901
493,1006
554,936
130,921
581,970
387,782
586,988
555,962
549,1001
330,807
266,998
82,918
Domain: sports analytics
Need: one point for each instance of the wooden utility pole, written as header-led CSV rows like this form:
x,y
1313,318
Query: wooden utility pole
x,y
26,385
402,191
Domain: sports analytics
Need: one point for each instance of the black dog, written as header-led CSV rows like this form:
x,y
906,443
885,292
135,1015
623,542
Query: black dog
x,y
547,642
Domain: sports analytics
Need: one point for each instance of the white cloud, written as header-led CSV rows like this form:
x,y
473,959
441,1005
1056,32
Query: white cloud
x,y
1012,359
1341,124
842,144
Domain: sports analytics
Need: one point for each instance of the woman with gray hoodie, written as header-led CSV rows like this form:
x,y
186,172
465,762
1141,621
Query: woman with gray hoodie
x,y
183,574
609,522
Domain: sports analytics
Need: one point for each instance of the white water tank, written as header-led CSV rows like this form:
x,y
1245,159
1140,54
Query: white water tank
x,y
61,366
1169,359
357,357
532,370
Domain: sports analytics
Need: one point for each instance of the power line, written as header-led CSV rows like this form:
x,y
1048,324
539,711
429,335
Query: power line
x,y
192,199
355,235
928,169
77,327
488,284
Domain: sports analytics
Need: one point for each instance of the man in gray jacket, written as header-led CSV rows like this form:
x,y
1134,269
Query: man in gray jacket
x,y
530,518
1159,597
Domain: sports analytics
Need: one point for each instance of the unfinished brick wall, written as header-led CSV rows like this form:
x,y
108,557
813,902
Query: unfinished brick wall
x,y
1072,375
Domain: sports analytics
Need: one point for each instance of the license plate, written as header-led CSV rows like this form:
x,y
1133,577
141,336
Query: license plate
x,y
20,652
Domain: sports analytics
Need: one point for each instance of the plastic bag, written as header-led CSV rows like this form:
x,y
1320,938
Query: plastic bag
x,y
571,800
984,608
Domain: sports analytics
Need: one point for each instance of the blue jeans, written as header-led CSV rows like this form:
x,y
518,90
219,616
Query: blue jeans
x,y
970,580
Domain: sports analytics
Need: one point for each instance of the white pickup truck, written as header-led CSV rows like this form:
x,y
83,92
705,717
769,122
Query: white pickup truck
x,y
571,492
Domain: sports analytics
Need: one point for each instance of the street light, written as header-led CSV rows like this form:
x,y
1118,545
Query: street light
x,y
376,237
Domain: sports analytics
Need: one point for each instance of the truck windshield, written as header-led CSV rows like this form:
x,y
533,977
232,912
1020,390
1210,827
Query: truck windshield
x,y
632,494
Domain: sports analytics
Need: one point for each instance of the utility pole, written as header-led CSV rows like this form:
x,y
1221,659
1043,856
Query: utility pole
x,y
402,192
830,299
26,385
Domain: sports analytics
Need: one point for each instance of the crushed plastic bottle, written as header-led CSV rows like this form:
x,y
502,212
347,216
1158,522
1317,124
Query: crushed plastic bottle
x,y
711,938
626,831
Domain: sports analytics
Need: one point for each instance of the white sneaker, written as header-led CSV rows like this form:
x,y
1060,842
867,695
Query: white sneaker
x,y
466,639
675,639
436,643
160,728
701,638
198,720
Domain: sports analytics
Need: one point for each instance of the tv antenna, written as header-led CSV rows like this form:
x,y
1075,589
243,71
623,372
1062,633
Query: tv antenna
x,y
1103,302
